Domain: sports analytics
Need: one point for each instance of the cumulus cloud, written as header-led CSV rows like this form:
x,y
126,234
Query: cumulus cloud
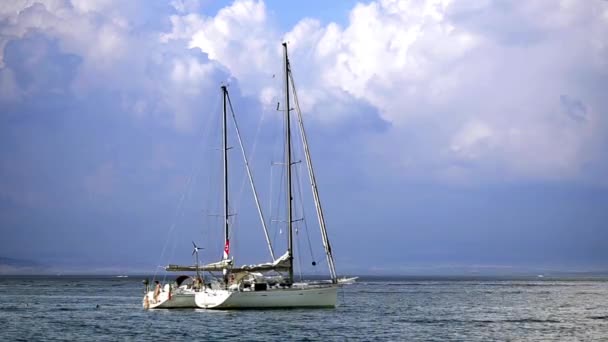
x,y
487,80
113,52
239,38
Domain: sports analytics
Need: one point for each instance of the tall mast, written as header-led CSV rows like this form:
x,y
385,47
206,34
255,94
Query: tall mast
x,y
255,192
288,166
315,189
225,162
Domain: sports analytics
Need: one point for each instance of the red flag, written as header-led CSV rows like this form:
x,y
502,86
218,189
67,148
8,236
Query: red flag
x,y
227,247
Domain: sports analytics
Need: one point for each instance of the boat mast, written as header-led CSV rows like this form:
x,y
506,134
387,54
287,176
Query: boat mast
x,y
288,166
315,189
250,176
225,162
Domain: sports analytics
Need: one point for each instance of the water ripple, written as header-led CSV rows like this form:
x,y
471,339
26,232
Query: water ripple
x,y
110,309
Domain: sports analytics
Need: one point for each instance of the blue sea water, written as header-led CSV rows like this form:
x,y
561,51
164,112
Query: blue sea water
x,y
109,309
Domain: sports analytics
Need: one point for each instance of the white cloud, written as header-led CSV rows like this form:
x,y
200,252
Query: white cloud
x,y
76,24
238,38
469,137
484,82
114,55
186,6
189,80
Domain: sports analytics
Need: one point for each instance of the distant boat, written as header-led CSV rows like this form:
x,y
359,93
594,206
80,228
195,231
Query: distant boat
x,y
251,286
346,281
122,276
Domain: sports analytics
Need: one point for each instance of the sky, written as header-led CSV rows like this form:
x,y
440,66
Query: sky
x,y
447,136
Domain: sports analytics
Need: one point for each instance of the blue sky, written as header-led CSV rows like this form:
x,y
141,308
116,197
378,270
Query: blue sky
x,y
447,137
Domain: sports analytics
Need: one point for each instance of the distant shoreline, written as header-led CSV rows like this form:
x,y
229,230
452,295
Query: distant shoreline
x,y
362,278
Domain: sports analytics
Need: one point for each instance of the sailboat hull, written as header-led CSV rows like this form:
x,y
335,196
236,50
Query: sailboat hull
x,y
307,297
183,300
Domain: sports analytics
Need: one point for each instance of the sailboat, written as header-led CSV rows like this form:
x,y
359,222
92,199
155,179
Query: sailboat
x,y
176,295
251,286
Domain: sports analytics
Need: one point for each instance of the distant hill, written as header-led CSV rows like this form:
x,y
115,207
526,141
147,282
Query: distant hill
x,y
16,266
18,262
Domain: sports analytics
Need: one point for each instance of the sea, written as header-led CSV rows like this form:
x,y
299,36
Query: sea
x,y
77,308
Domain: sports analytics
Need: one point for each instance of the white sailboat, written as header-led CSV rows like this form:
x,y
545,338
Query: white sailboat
x,y
347,281
251,286
176,295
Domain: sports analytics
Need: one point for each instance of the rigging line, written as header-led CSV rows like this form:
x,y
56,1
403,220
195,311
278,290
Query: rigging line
x,y
213,199
234,240
182,198
300,195
208,125
216,201
249,175
279,199
298,150
270,197
210,119
177,213
270,193
279,150
210,221
189,192
275,131
299,257
313,183
219,220
280,193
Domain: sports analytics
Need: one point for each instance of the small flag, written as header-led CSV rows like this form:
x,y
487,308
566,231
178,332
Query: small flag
x,y
227,248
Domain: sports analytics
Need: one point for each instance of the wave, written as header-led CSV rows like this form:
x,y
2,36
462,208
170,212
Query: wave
x,y
440,321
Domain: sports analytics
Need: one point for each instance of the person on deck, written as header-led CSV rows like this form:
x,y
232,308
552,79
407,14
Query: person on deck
x,y
198,283
156,290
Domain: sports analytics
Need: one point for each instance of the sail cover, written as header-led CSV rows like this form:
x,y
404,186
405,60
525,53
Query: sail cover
x,y
281,264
